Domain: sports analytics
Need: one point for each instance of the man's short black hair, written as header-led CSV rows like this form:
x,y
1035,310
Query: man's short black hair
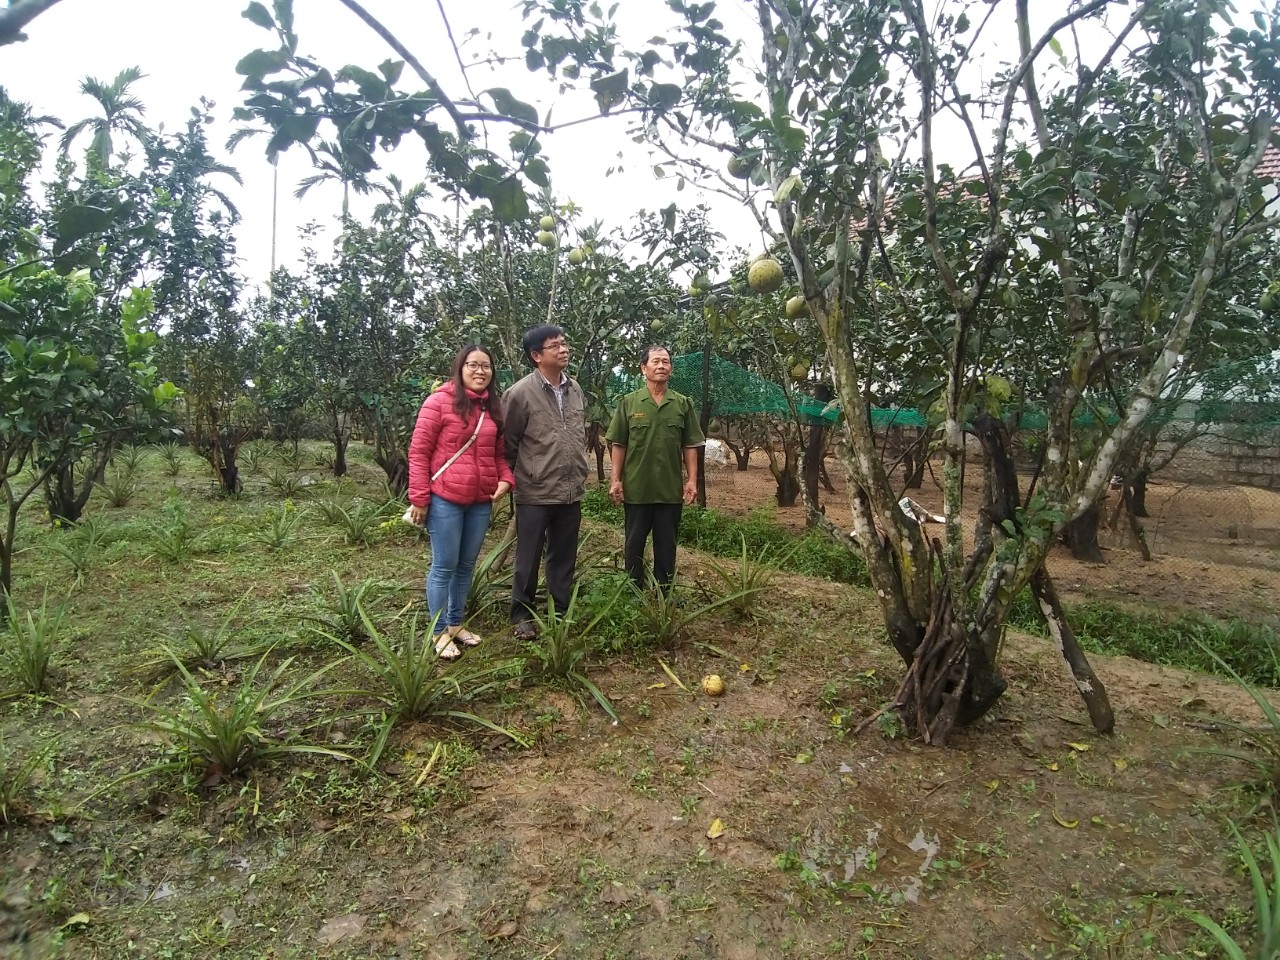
x,y
535,338
648,351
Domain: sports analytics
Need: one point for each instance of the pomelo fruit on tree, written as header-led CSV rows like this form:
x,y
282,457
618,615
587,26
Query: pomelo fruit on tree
x,y
800,371
796,307
576,256
547,223
740,167
765,275
547,238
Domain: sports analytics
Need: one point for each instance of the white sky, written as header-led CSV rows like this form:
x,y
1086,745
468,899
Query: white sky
x,y
189,49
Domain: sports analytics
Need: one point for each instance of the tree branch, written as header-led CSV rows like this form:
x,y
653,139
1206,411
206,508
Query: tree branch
x,y
403,51
17,16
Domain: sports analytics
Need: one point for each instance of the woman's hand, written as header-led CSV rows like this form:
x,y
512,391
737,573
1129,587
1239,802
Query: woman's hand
x,y
503,489
417,515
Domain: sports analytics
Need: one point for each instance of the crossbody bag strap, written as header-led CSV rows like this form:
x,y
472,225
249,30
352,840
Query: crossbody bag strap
x,y
461,450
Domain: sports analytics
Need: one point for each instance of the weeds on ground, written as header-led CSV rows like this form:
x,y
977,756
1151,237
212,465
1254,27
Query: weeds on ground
x,y
171,454
199,648
564,641
291,456
79,546
412,686
280,529
131,457
254,456
358,523
119,487
665,614
285,484
1266,904
491,583
1183,641
744,581
31,645
342,612
176,538
1263,754
15,775
710,531
221,740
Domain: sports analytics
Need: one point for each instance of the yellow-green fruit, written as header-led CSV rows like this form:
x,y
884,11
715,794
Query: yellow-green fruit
x,y
1270,297
695,290
576,256
796,307
799,371
547,223
765,275
547,238
655,326
741,167
712,685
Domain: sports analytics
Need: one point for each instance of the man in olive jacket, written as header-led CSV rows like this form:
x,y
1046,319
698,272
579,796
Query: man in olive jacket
x,y
546,442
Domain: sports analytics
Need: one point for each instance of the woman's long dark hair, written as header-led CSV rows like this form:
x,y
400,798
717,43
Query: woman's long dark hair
x,y
462,402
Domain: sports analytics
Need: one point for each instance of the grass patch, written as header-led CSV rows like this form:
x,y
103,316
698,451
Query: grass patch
x,y
813,553
1188,641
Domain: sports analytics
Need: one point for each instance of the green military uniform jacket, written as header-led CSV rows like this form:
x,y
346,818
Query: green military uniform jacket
x,y
656,438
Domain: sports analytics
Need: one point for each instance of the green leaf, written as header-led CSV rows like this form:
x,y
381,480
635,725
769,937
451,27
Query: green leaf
x,y
260,63
80,221
257,13
664,96
391,69
509,106
610,89
786,187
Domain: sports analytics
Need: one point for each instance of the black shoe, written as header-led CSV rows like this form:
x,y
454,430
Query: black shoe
x,y
526,631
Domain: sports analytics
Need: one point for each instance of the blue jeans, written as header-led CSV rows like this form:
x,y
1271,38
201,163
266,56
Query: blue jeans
x,y
457,533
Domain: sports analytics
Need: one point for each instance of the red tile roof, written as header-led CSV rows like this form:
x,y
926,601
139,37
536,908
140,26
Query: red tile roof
x,y
1270,165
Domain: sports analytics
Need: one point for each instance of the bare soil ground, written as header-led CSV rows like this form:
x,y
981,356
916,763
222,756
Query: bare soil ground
x,y
760,824
1216,549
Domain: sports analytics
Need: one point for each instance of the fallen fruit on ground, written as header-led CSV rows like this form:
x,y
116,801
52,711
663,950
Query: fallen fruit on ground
x,y
712,685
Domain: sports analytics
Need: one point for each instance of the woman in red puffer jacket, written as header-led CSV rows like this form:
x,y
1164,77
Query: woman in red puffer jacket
x,y
457,469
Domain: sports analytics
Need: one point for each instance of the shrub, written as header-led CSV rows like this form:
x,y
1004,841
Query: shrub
x,y
226,739
412,686
31,645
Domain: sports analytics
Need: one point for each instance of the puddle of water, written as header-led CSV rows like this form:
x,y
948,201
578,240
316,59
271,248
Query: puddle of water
x,y
864,864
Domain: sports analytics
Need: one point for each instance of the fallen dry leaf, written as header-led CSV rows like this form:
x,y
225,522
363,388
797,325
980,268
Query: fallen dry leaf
x,y
716,830
1064,822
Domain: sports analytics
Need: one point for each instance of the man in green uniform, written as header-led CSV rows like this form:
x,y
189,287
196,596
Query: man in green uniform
x,y
654,433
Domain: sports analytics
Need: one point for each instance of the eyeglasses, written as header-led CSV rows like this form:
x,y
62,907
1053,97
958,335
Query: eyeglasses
x,y
554,345
479,367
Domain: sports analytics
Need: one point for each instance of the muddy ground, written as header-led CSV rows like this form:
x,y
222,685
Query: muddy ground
x,y
760,824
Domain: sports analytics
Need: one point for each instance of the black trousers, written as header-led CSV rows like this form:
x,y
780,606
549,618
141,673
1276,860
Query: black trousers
x,y
551,528
663,521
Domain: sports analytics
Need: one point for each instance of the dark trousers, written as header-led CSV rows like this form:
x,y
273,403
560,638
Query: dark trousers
x,y
551,528
663,521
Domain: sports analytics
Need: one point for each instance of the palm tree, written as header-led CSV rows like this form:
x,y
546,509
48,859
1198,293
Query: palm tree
x,y
121,113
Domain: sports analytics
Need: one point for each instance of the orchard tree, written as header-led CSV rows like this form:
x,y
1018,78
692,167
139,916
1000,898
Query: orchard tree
x,y
68,378
1151,140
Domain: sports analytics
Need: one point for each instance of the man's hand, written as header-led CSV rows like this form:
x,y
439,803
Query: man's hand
x,y
503,489
690,491
417,515
615,491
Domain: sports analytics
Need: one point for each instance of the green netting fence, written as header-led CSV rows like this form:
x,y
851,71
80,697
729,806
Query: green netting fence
x,y
736,391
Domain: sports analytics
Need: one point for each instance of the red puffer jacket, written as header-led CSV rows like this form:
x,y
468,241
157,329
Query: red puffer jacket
x,y
438,435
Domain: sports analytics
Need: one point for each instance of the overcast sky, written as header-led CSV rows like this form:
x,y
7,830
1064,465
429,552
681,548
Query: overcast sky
x,y
189,49
192,54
